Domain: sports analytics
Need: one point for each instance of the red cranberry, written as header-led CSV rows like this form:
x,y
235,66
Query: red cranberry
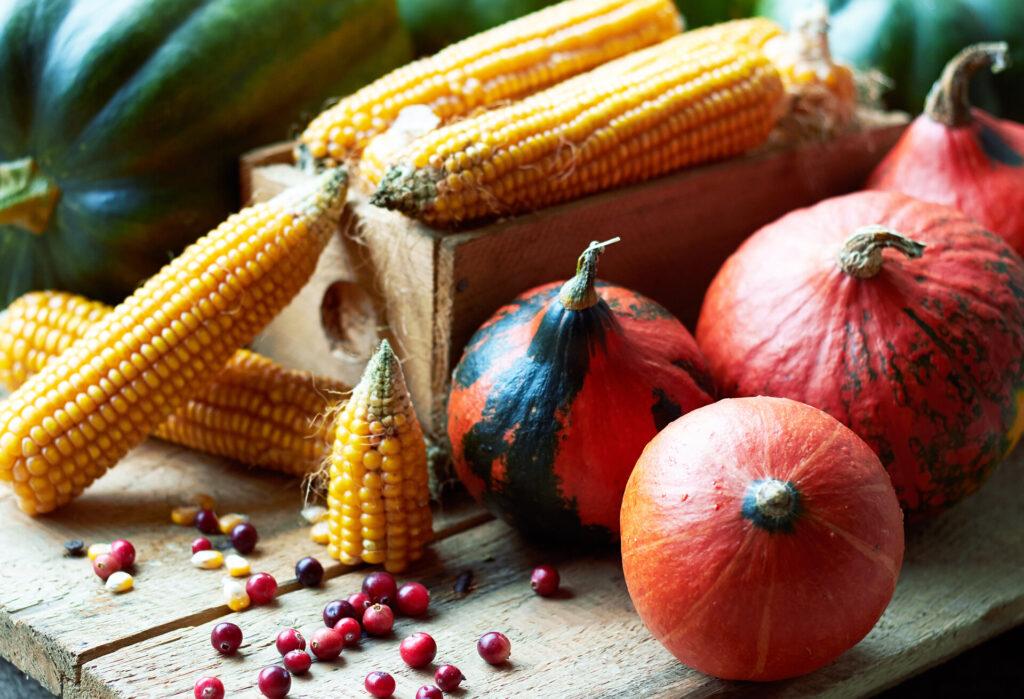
x,y
429,691
544,580
381,587
379,684
206,522
297,661
378,620
350,630
360,601
261,588
326,644
448,678
105,565
208,688
289,640
494,647
244,537
124,551
413,599
309,572
418,650
274,682
226,638
336,611
201,544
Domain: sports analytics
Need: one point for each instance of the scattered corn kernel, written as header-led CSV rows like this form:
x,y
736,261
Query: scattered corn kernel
x,y
120,582
230,521
238,567
97,550
204,501
320,532
185,516
235,595
208,560
314,513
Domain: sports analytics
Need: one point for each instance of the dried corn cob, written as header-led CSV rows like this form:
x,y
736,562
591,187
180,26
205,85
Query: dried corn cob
x,y
254,411
78,416
675,104
378,496
504,63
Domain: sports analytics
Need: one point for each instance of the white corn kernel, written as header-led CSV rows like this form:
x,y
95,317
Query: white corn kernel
x,y
320,532
97,550
237,566
185,516
314,513
235,595
208,560
120,582
230,521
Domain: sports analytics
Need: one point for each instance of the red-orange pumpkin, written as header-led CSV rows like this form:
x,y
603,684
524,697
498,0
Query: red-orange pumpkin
x,y
760,538
556,396
920,351
966,158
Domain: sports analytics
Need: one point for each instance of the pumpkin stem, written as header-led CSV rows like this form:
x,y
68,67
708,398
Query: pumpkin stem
x,y
772,504
948,101
579,293
861,254
27,196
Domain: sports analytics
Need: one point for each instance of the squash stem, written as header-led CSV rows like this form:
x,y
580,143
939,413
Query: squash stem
x,y
27,196
861,254
772,504
579,293
948,101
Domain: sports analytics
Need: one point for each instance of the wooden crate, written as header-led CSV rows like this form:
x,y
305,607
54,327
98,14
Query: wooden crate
x,y
428,290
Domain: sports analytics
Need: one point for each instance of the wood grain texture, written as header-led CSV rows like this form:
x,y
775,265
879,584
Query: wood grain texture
x,y
55,613
961,584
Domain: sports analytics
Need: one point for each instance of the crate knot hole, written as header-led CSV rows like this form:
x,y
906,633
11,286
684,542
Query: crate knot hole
x,y
349,321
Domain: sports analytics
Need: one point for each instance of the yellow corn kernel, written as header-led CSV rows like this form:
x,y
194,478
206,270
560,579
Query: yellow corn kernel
x,y
367,520
235,595
119,581
229,521
208,560
237,566
682,102
204,501
264,255
95,550
287,434
320,533
499,65
184,516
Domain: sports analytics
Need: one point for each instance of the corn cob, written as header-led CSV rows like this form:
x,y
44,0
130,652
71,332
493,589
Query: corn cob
x,y
675,104
378,495
504,63
254,411
78,416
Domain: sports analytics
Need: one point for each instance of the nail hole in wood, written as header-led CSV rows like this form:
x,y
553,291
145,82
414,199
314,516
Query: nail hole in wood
x,y
349,320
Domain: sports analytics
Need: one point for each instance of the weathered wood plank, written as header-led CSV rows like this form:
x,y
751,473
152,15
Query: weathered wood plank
x,y
961,584
55,614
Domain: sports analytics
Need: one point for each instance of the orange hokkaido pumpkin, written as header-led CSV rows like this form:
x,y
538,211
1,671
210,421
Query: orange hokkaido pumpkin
x,y
761,538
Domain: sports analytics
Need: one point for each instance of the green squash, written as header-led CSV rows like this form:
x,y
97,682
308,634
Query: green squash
x,y
436,23
121,123
910,41
699,13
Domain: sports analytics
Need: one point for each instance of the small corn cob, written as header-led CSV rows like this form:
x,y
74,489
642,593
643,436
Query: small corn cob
x,y
504,63
254,411
68,424
378,497
679,103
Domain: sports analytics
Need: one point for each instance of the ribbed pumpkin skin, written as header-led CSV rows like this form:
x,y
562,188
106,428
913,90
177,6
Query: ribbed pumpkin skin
x,y
740,601
550,408
924,361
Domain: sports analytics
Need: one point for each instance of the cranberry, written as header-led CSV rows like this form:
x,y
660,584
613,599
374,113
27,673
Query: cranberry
x,y
379,684
124,551
261,588
289,640
350,630
326,644
226,638
244,537
309,572
418,650
429,691
105,565
274,682
206,522
201,544
208,688
544,580
381,587
413,599
448,678
378,620
360,601
297,661
336,611
494,647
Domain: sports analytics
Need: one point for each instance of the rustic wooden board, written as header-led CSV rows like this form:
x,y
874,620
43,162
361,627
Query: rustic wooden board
x,y
55,614
961,584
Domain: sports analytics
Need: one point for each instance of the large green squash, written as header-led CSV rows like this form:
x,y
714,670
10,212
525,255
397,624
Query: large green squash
x,y
911,40
121,122
436,23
